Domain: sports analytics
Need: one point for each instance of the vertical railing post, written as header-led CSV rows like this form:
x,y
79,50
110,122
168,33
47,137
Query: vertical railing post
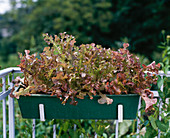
x,y
54,131
117,129
95,134
139,115
160,108
11,114
4,107
33,128
75,127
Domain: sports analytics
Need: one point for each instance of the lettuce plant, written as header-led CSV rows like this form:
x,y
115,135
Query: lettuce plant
x,y
69,71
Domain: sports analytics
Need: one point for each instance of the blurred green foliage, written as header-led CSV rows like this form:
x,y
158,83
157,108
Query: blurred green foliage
x,y
105,22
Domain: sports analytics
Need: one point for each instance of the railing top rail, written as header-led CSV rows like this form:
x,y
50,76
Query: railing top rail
x,y
6,71
163,74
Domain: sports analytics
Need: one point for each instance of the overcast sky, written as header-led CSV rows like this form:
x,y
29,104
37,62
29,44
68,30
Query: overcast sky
x,y
4,6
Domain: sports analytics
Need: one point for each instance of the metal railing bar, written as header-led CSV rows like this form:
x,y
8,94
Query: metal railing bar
x,y
161,73
95,134
11,114
4,94
138,119
160,107
75,127
18,70
6,71
117,129
54,131
155,94
33,128
4,118
4,108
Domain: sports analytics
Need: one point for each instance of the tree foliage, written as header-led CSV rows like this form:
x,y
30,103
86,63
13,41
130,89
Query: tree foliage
x,y
100,21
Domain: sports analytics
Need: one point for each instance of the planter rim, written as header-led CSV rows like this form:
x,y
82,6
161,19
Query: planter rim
x,y
45,95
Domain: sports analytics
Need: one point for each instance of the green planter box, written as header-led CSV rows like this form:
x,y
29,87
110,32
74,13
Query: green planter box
x,y
85,109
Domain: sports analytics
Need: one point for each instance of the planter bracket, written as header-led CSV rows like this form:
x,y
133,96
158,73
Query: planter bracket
x,y
42,114
120,113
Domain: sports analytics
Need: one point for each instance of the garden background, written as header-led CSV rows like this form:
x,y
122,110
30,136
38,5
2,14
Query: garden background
x,y
104,22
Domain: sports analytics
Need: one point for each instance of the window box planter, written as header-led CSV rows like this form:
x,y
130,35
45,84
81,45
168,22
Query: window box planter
x,y
85,109
73,73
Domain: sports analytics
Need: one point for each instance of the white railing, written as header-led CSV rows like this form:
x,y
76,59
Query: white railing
x,y
156,95
4,96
